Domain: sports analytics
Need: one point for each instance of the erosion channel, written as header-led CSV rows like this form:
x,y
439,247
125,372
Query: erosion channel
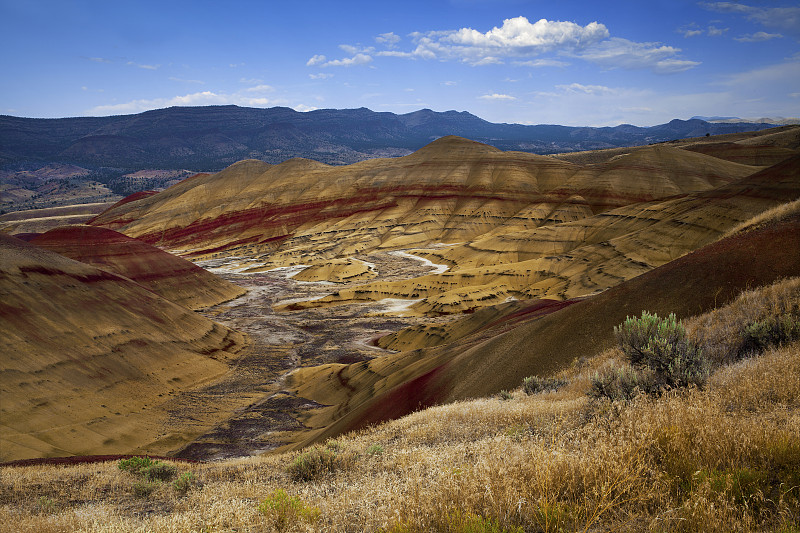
x,y
248,409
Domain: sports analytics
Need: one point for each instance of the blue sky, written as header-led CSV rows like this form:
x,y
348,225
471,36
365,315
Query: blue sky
x,y
581,63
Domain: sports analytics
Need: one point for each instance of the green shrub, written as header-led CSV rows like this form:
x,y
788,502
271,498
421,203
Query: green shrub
x,y
536,384
145,487
772,331
184,482
375,449
134,465
316,461
623,383
150,473
505,395
158,471
660,345
286,511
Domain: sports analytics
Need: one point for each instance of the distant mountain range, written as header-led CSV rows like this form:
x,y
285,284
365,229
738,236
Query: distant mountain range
x,y
211,138
775,121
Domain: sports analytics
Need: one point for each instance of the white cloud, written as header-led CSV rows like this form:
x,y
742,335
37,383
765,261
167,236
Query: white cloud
x,y
358,59
713,31
536,63
496,96
350,49
146,67
316,60
304,108
770,76
260,89
691,33
194,99
758,37
320,76
785,18
585,89
621,53
517,37
99,60
521,41
388,39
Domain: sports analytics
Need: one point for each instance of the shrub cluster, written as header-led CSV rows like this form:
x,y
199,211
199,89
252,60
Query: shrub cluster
x,y
152,473
536,384
660,357
772,331
318,461
287,511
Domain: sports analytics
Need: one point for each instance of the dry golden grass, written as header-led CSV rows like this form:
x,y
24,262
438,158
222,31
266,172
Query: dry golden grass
x,y
773,215
725,458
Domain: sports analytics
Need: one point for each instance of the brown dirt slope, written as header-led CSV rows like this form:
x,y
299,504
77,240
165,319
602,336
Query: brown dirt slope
x,y
90,359
394,385
169,276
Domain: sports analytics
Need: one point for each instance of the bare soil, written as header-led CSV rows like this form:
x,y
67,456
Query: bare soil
x,y
282,342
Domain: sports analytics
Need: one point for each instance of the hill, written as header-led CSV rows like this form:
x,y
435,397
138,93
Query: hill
x,y
170,277
91,358
507,224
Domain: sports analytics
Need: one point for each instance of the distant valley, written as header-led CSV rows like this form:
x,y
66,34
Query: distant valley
x,y
373,289
51,162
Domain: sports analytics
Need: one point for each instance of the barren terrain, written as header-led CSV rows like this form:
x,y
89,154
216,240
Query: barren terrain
x,y
265,412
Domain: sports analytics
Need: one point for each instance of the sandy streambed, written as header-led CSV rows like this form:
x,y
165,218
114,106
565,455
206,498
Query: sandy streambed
x,y
248,411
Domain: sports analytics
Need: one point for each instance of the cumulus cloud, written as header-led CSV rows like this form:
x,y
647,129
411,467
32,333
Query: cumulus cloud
x,y
316,60
758,37
358,59
522,42
496,96
517,37
388,39
193,99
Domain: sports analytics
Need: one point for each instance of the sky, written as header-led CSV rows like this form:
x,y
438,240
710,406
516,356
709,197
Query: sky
x,y
576,63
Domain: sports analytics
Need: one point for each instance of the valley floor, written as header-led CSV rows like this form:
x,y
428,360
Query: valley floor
x,y
249,411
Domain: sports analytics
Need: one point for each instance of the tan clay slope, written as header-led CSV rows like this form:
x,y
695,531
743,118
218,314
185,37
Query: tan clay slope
x,y
89,358
395,385
785,137
41,220
765,155
578,258
453,190
169,276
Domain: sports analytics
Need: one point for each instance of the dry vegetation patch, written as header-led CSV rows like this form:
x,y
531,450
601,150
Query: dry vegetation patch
x,y
724,457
